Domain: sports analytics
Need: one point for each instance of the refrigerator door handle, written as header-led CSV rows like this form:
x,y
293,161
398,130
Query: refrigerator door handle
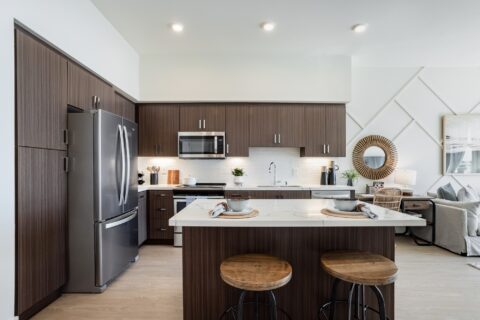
x,y
120,222
122,185
127,183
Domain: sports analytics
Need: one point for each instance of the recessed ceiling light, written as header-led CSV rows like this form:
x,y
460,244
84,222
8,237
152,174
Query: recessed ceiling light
x,y
177,27
267,26
359,28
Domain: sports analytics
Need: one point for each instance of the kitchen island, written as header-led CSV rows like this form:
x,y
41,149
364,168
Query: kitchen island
x,y
293,230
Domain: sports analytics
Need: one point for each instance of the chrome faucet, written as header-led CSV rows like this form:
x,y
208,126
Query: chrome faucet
x,y
274,172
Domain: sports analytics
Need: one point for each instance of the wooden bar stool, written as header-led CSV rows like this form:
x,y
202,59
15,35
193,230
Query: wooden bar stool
x,y
361,269
256,273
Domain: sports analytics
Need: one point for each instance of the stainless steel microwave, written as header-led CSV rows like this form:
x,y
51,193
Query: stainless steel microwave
x,y
201,145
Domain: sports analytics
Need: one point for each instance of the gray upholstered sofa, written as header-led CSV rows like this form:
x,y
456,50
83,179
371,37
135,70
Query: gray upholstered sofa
x,y
451,230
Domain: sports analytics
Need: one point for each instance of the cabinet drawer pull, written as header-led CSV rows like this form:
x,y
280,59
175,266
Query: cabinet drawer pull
x,y
161,209
161,229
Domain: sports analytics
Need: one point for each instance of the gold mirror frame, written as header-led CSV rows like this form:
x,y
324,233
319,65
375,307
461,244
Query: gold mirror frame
x,y
390,157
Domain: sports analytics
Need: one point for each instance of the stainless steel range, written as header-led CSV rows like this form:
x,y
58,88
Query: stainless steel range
x,y
184,195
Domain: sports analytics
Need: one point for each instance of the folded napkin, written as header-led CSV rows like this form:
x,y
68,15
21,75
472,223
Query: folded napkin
x,y
366,211
218,209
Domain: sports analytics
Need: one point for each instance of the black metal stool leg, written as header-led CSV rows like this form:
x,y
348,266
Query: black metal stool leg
x,y
333,299
350,300
240,305
364,307
256,306
381,302
273,306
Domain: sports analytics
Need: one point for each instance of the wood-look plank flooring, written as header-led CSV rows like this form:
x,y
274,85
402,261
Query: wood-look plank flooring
x,y
432,284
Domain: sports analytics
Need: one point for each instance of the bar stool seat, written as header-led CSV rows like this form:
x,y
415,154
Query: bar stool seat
x,y
360,267
255,272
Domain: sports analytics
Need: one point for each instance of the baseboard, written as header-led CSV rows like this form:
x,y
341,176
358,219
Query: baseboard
x,y
159,241
37,307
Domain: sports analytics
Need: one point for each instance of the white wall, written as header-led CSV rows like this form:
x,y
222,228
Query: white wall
x,y
76,27
212,77
402,104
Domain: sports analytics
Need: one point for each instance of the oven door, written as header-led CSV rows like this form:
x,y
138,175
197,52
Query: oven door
x,y
179,204
201,145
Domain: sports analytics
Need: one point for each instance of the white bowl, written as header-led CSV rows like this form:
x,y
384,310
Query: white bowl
x,y
190,181
345,204
238,205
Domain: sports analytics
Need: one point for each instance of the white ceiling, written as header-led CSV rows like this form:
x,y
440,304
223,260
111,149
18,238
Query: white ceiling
x,y
429,32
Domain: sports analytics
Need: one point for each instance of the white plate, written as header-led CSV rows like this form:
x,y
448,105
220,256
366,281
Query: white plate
x,y
238,213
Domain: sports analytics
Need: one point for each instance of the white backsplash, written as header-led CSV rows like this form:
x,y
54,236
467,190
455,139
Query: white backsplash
x,y
290,167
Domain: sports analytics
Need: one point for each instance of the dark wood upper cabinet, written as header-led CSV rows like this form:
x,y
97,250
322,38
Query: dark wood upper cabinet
x,y
124,107
158,126
86,91
237,125
335,130
41,225
201,117
291,132
263,125
41,93
276,126
325,131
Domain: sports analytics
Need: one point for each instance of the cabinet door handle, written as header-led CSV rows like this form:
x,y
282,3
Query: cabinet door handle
x,y
199,123
228,149
94,102
275,138
324,150
65,164
328,148
65,136
203,123
279,138
98,102
161,209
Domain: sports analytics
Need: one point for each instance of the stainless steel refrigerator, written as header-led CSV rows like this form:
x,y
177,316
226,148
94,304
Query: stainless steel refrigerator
x,y
102,199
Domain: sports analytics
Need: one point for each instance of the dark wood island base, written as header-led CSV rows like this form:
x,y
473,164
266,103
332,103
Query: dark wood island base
x,y
206,296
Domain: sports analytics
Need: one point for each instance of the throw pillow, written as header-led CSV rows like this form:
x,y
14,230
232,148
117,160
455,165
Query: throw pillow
x,y
467,194
473,211
447,192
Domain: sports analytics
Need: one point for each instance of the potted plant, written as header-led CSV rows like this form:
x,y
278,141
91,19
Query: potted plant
x,y
351,176
238,176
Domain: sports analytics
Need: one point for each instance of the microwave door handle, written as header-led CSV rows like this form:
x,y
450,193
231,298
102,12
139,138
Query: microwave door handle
x,y
122,185
215,144
127,182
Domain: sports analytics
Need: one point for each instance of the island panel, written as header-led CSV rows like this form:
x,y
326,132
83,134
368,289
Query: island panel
x,y
206,296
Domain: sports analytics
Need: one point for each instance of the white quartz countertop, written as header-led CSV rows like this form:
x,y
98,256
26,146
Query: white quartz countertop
x,y
289,213
313,187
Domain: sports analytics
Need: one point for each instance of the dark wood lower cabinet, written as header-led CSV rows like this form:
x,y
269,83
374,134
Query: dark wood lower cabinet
x,y
159,212
41,213
270,194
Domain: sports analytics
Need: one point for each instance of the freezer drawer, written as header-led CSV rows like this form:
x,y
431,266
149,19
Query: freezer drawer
x,y
117,246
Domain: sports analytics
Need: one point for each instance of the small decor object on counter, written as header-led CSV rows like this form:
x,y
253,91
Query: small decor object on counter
x,y
351,176
154,170
140,178
238,176
324,176
332,167
173,176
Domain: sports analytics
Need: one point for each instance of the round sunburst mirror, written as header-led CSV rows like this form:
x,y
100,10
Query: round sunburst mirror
x,y
375,157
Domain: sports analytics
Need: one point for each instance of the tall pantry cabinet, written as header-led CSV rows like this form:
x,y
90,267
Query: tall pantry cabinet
x,y
41,178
